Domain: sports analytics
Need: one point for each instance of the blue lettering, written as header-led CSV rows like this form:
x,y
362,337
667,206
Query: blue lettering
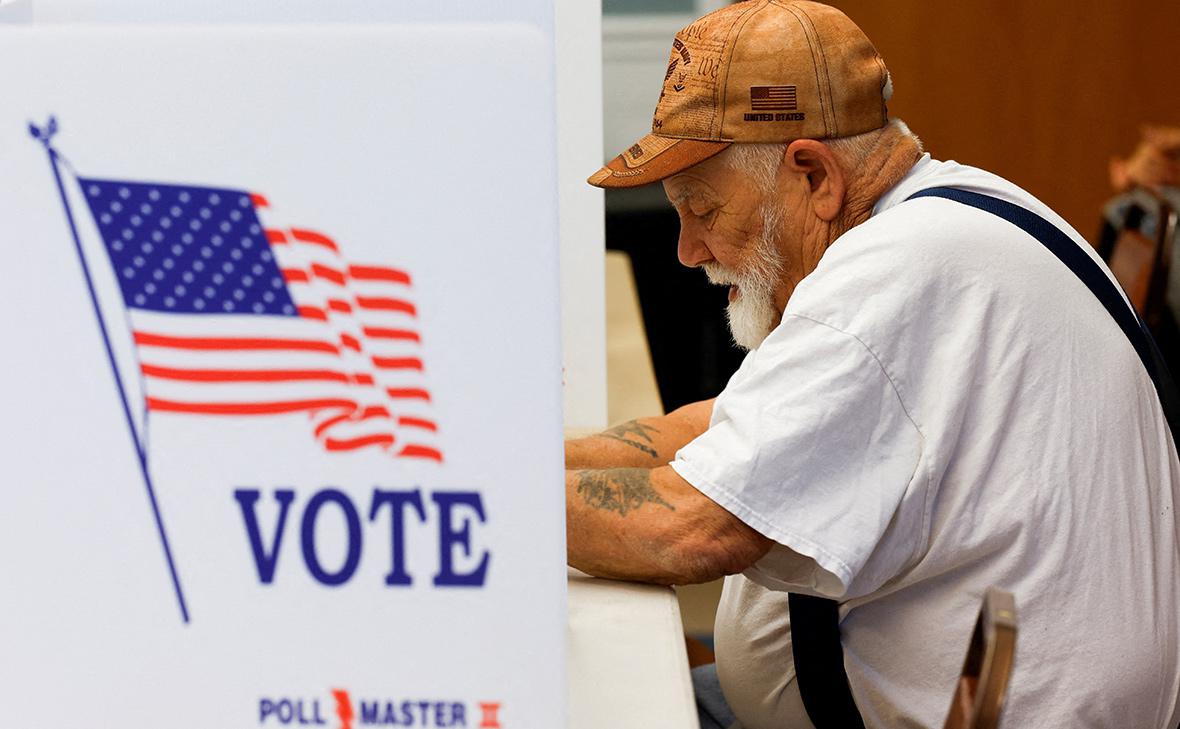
x,y
265,563
397,501
315,713
353,523
449,537
369,713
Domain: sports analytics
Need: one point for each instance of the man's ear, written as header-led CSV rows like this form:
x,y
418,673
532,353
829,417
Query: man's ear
x,y
814,161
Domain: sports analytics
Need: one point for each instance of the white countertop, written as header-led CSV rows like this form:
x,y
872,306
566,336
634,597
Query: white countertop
x,y
627,664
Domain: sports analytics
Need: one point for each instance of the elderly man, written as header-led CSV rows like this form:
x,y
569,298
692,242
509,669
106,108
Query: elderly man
x,y
933,403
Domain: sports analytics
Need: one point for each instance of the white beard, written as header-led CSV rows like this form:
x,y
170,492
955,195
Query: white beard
x,y
752,315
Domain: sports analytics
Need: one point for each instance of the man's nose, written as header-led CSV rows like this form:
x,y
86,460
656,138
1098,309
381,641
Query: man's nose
x,y
690,249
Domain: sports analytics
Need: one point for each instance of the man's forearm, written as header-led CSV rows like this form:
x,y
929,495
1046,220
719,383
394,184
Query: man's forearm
x,y
651,525
642,443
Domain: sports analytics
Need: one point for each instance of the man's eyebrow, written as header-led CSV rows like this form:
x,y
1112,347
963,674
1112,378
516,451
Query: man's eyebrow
x,y
679,196
684,193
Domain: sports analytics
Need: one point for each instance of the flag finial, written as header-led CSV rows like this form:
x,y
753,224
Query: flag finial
x,y
44,135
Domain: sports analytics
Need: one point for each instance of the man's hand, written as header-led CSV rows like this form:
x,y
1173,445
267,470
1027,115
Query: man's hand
x,y
651,525
644,443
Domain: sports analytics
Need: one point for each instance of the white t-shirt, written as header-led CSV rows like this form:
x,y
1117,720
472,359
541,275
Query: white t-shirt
x,y
946,407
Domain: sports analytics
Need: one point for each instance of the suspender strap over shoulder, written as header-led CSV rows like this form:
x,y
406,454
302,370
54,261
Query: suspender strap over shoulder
x,y
1090,274
815,622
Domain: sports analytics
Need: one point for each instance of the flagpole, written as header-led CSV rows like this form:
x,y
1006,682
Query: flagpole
x,y
45,136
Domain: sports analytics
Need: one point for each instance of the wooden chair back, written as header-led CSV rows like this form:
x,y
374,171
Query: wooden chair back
x,y
979,695
1141,264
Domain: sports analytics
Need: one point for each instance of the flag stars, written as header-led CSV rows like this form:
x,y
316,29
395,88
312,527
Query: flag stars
x,y
181,249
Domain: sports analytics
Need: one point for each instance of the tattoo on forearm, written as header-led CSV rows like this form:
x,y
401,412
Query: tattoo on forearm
x,y
632,433
619,489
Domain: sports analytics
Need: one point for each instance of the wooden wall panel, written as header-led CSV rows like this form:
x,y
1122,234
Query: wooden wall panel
x,y
1043,93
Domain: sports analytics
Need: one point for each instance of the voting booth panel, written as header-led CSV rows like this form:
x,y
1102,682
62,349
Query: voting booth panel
x,y
283,378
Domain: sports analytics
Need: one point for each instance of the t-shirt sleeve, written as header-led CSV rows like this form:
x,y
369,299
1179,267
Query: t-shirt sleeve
x,y
810,444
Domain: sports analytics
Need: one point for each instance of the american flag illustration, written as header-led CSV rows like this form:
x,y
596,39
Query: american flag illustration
x,y
772,98
234,317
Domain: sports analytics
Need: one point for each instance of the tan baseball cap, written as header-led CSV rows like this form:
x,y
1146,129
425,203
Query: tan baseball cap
x,y
757,71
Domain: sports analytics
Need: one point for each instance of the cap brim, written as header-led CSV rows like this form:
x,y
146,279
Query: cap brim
x,y
654,158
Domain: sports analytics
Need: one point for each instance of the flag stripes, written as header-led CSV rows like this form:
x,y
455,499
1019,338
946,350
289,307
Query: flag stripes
x,y
773,98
